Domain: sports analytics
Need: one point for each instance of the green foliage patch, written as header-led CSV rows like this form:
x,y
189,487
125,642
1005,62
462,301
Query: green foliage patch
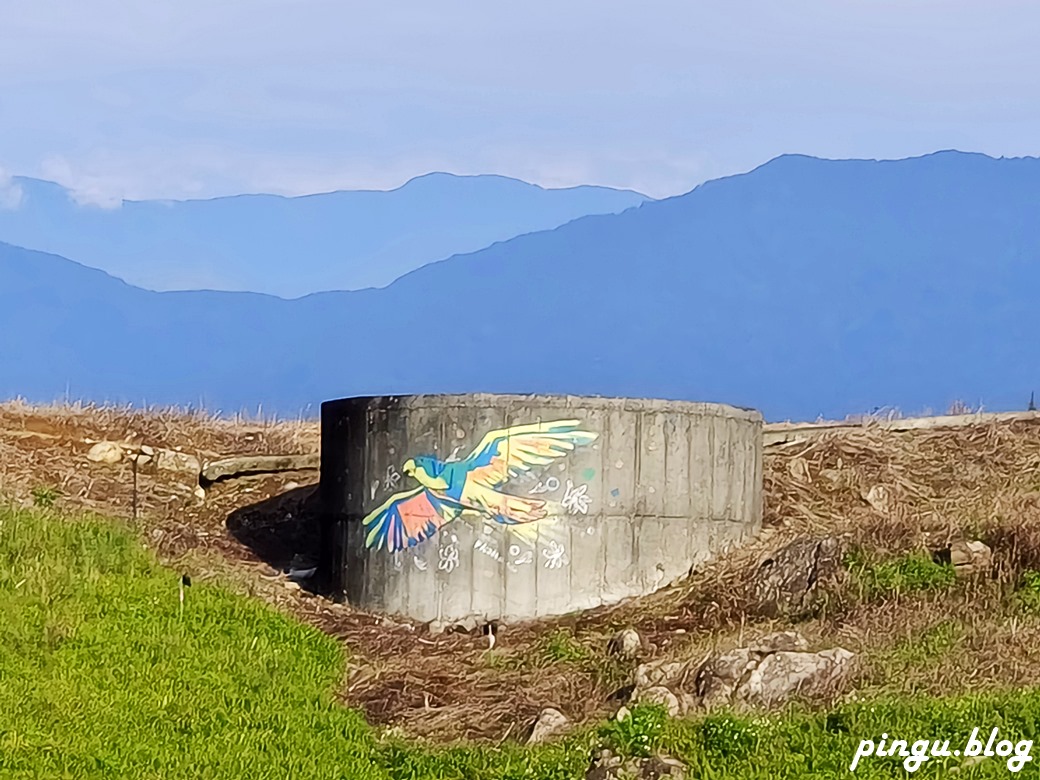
x,y
102,675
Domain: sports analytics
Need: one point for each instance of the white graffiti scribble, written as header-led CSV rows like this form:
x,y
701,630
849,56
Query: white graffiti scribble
x,y
391,479
555,556
420,564
520,558
576,500
548,486
487,549
454,455
449,556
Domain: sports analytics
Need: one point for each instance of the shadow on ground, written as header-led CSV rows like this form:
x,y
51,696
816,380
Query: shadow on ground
x,y
283,531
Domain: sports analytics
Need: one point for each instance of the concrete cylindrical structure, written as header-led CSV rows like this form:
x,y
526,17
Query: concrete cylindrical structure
x,y
461,509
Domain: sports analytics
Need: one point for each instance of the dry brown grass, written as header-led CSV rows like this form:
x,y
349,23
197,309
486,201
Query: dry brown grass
x,y
887,492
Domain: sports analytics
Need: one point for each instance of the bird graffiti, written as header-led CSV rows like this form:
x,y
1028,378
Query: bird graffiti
x,y
448,489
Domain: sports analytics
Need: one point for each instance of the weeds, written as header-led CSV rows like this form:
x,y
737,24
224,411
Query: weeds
x,y
638,733
728,736
929,645
561,647
910,573
1028,593
44,497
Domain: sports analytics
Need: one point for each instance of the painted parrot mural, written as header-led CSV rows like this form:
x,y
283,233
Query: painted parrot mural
x,y
447,489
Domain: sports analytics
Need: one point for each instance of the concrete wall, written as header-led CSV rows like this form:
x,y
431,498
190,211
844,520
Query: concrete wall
x,y
650,489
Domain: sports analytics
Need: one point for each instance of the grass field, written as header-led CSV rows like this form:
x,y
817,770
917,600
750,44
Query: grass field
x,y
103,676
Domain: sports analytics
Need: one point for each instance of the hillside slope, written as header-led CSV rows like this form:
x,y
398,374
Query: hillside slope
x,y
294,246
927,636
805,288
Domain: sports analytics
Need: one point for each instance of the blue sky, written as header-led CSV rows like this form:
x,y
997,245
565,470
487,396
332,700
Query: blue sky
x,y
194,99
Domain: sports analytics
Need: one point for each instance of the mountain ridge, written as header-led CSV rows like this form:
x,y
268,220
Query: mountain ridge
x,y
36,182
291,246
805,290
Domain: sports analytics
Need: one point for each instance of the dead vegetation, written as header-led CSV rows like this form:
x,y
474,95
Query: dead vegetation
x,y
887,495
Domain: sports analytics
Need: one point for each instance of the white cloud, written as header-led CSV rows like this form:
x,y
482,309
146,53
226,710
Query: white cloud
x,y
86,189
196,99
10,192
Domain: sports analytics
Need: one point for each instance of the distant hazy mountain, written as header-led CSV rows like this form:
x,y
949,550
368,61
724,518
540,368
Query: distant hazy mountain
x,y
803,288
294,246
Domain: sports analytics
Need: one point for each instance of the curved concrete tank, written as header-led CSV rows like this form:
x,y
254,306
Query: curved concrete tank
x,y
462,509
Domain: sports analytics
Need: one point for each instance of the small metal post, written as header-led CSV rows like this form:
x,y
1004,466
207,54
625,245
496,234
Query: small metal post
x,y
134,498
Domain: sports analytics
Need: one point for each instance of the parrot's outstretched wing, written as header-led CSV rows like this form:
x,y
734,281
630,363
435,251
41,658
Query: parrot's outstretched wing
x,y
409,518
509,452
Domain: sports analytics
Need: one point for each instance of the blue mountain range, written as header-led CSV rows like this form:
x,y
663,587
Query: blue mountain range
x,y
294,246
804,288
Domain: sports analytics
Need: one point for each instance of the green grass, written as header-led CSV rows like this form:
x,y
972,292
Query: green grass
x,y
929,645
1028,594
556,647
911,573
560,646
45,496
102,676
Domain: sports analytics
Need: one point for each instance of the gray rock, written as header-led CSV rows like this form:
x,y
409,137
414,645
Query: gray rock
x,y
625,644
688,701
179,462
109,452
259,464
719,677
550,723
788,583
660,695
879,498
782,676
970,558
789,641
607,766
662,672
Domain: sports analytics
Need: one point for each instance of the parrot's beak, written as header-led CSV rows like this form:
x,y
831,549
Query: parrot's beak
x,y
409,467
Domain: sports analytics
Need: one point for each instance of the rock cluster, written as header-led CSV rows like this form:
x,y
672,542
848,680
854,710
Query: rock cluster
x,y
113,452
766,673
608,766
